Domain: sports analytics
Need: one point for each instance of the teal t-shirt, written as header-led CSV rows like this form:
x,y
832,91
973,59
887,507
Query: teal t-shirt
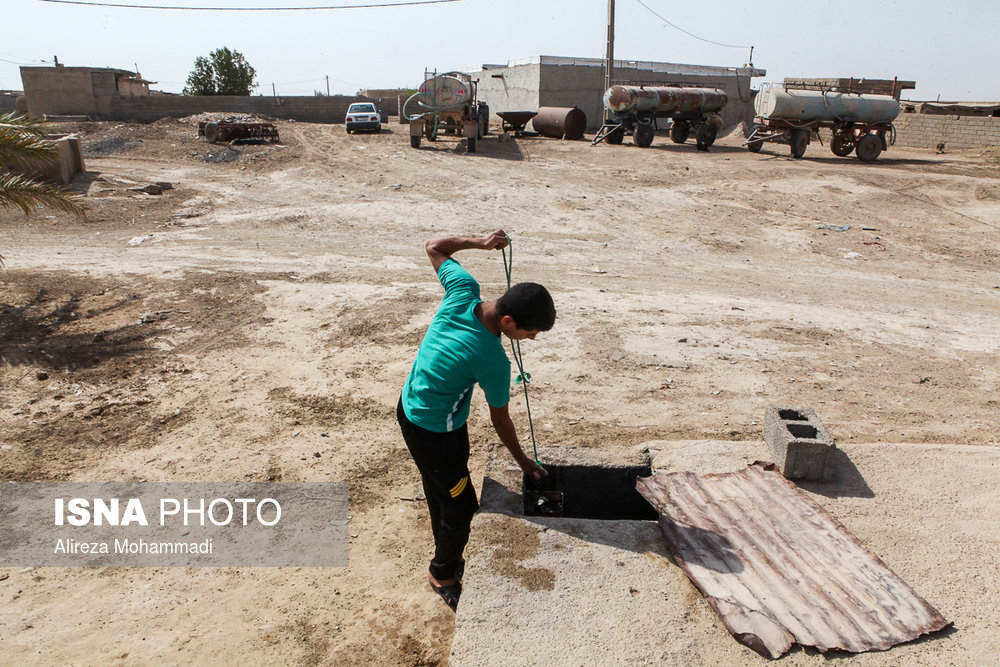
x,y
456,353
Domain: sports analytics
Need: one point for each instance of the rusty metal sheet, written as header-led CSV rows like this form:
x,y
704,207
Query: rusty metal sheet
x,y
779,569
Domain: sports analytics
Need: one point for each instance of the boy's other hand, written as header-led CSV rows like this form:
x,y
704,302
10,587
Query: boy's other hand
x,y
532,468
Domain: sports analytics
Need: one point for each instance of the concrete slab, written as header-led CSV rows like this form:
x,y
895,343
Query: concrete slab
x,y
555,591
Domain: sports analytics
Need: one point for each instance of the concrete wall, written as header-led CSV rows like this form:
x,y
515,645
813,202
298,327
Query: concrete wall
x,y
583,86
567,82
55,91
386,98
389,106
955,132
509,88
128,86
310,109
108,94
59,90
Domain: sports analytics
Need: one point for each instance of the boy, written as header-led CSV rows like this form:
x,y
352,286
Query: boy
x,y
462,348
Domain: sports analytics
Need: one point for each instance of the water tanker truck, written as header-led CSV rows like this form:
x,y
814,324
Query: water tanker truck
x,y
635,109
861,123
446,104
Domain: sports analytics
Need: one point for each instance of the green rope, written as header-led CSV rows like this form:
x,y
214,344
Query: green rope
x,y
523,378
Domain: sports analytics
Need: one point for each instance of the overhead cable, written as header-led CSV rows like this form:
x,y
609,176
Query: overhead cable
x,y
247,9
691,34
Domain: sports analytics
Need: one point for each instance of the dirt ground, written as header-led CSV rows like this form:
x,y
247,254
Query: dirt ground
x,y
256,322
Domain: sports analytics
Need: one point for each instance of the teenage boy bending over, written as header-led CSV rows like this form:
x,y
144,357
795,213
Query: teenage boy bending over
x,y
462,347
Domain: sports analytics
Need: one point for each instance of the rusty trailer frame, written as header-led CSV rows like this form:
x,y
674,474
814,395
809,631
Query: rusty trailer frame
x,y
226,131
866,140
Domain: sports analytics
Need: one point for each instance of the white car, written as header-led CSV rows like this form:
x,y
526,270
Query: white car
x,y
363,116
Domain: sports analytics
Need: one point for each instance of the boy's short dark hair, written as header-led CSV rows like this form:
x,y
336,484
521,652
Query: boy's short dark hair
x,y
530,305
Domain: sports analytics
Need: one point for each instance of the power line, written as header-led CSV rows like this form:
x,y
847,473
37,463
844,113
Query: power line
x,y
12,62
677,27
11,55
247,9
322,78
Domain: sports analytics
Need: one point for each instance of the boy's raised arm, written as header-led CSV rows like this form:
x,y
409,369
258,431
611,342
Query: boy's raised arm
x,y
441,249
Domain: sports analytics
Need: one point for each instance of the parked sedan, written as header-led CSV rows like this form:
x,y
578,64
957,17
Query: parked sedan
x,y
363,116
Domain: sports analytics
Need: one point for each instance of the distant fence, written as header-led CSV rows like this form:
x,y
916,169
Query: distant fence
x,y
313,109
955,132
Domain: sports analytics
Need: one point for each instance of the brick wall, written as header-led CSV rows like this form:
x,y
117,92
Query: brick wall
x,y
955,132
312,109
59,91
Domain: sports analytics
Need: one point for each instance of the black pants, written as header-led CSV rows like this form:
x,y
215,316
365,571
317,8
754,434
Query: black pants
x,y
443,462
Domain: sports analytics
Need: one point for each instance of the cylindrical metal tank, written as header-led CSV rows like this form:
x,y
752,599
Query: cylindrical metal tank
x,y
663,100
447,91
815,105
560,122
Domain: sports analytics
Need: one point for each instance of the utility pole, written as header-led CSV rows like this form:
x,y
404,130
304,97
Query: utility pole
x,y
328,85
609,61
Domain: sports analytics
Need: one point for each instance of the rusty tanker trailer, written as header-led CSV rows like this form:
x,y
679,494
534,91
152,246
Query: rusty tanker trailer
x,y
861,123
635,110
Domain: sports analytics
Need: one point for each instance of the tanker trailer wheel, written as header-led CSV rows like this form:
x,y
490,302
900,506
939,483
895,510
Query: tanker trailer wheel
x,y
798,142
484,121
842,143
211,132
869,147
414,141
679,131
615,136
706,135
755,146
643,135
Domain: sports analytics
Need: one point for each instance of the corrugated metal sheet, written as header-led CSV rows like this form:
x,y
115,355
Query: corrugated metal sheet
x,y
779,569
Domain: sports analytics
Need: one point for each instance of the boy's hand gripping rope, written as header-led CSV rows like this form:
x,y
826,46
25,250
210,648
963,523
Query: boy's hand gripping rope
x,y
523,378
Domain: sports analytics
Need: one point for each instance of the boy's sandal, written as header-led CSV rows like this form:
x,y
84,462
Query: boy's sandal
x,y
449,594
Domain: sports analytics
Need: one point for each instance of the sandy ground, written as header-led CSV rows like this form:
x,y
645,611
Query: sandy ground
x,y
263,326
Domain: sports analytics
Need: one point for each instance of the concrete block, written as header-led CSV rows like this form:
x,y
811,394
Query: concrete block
x,y
801,446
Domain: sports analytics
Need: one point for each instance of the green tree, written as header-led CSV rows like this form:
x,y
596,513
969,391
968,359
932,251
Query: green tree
x,y
223,72
24,149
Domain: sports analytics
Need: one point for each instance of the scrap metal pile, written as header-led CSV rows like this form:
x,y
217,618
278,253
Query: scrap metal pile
x,y
238,128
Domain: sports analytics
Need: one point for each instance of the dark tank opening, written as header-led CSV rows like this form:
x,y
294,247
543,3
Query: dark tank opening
x,y
588,492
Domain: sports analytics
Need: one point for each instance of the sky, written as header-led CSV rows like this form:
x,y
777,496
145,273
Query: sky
x,y
943,46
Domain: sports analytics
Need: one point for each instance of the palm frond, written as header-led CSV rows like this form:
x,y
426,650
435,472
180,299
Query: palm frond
x,y
25,151
23,124
19,191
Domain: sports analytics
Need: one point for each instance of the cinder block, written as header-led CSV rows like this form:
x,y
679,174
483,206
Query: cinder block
x,y
801,445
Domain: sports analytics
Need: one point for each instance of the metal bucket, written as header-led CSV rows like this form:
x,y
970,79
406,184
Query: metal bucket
x,y
560,122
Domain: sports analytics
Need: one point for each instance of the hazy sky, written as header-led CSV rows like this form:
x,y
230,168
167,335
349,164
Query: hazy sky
x,y
943,46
